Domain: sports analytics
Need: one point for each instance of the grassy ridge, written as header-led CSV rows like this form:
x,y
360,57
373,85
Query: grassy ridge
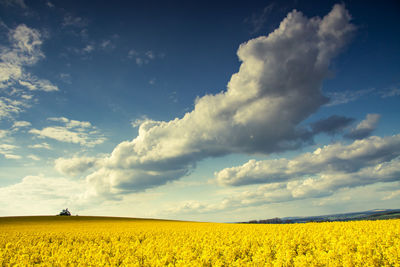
x,y
70,219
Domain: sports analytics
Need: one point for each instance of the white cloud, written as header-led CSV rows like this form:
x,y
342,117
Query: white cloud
x,y
323,173
8,71
278,86
7,147
33,83
335,160
150,54
392,195
7,150
344,97
26,96
140,61
329,183
11,156
72,123
50,4
107,44
320,186
272,193
72,21
132,53
4,133
338,98
76,165
72,131
41,146
88,48
258,20
10,107
65,77
365,127
138,122
24,50
174,97
20,3
143,58
331,201
37,195
20,124
33,157
391,92
59,119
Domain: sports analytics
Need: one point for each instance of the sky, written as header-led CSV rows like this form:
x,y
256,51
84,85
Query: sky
x,y
199,110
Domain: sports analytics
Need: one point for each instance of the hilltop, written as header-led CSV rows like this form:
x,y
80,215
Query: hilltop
x,y
376,214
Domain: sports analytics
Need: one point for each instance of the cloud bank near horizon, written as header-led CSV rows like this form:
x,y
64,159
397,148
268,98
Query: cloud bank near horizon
x,y
331,160
328,170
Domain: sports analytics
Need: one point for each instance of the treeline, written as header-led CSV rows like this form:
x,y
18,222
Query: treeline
x,y
270,221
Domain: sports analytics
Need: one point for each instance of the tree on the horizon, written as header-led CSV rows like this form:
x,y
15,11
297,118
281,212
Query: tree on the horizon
x,y
65,212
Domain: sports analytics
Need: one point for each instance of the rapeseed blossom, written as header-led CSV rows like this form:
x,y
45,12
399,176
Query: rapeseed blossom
x,y
86,241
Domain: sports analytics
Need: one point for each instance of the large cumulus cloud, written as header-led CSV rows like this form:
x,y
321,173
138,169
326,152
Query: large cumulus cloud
x,y
277,86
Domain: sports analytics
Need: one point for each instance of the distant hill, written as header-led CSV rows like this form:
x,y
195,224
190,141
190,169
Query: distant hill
x,y
377,214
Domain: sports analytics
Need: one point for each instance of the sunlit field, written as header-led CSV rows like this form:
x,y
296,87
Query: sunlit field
x,y
96,241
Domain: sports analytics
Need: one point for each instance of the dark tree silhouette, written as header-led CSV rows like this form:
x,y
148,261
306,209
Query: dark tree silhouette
x,y
65,213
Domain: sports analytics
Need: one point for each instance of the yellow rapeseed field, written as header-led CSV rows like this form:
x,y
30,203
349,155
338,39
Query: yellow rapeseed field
x,y
91,241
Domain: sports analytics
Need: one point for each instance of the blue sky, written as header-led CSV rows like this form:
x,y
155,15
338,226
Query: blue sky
x,y
199,111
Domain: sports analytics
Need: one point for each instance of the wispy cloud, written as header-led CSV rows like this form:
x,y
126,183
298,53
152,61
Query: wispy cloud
x,y
41,146
259,20
174,97
272,193
137,122
33,83
7,150
4,133
17,125
344,97
71,131
73,21
24,50
10,107
392,195
19,3
21,124
143,58
107,45
152,81
365,127
50,4
391,92
65,77
338,98
33,157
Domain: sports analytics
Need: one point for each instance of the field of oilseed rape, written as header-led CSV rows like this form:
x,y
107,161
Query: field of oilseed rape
x,y
97,241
